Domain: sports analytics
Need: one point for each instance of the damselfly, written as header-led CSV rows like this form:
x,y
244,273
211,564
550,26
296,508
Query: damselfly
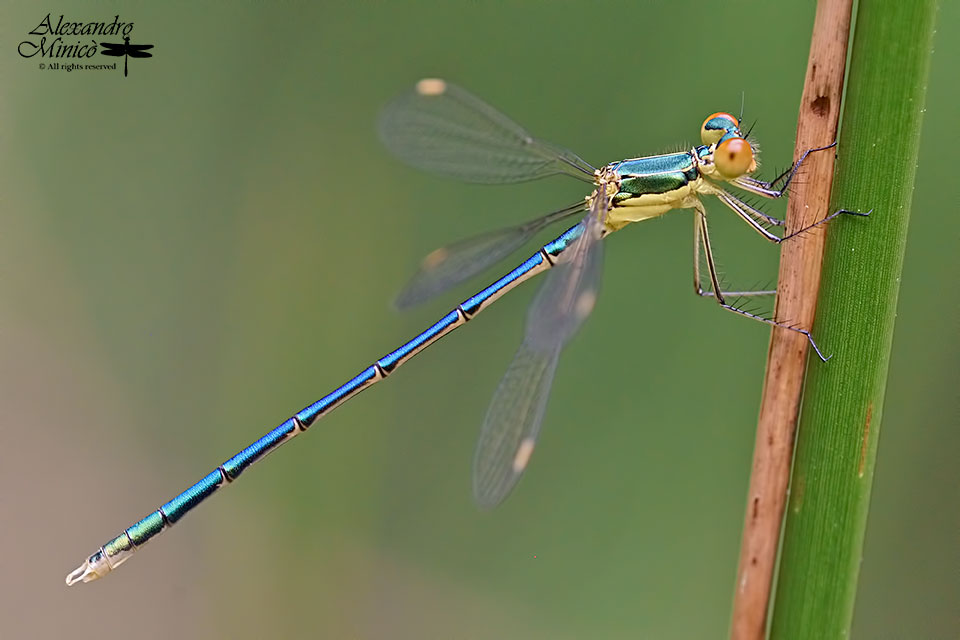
x,y
442,128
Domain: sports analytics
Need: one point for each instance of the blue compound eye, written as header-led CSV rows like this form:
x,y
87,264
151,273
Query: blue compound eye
x,y
717,125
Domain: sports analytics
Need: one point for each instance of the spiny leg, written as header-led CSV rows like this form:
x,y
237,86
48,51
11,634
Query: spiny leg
x,y
704,236
830,217
771,189
753,217
776,188
697,281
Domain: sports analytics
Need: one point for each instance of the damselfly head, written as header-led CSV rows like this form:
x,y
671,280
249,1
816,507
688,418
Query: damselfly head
x,y
733,155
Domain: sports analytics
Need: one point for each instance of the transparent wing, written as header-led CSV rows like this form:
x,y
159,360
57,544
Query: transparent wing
x,y
450,265
442,128
567,296
510,429
512,424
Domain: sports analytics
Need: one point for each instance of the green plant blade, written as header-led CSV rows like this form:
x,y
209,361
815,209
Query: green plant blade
x,y
842,406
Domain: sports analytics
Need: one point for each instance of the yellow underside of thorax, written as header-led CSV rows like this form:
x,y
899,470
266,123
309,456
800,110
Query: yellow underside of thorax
x,y
652,205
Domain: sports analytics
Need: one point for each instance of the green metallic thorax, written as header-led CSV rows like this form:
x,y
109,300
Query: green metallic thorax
x,y
654,175
651,186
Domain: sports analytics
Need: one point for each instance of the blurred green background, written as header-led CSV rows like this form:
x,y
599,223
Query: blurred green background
x,y
194,252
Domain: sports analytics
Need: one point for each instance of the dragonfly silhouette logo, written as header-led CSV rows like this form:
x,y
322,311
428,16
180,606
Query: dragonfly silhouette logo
x,y
126,50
